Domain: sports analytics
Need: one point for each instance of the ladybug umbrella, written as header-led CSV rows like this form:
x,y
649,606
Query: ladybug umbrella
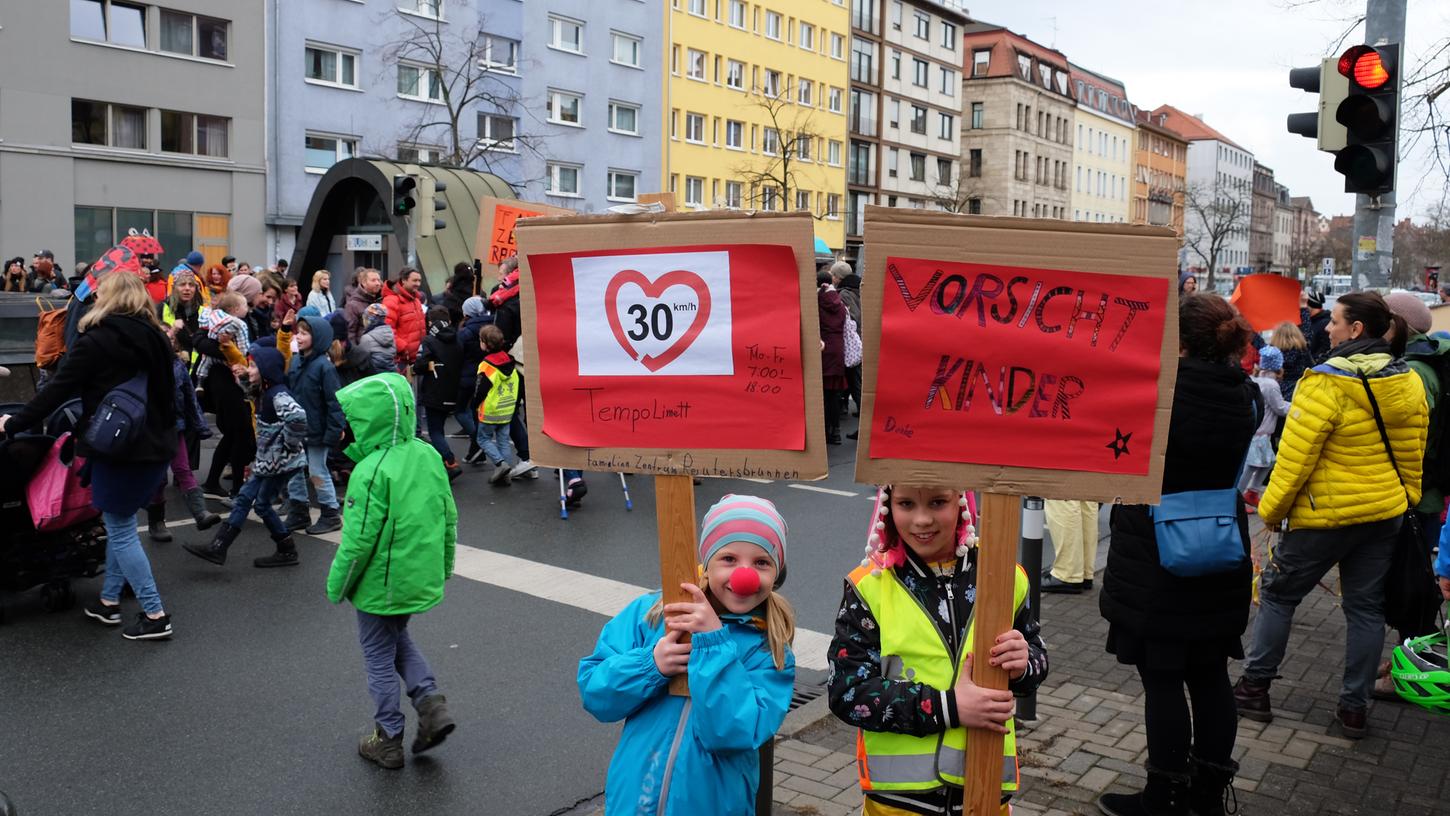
x,y
119,258
142,243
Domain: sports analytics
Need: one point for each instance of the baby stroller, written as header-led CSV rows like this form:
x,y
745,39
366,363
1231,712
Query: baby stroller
x,y
29,557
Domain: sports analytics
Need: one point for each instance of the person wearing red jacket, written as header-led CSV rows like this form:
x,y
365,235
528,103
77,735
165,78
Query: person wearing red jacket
x,y
404,300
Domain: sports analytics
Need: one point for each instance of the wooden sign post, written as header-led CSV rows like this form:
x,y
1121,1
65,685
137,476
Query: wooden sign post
x,y
1014,357
660,355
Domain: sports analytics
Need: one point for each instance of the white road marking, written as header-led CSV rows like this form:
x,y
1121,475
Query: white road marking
x,y
757,481
829,490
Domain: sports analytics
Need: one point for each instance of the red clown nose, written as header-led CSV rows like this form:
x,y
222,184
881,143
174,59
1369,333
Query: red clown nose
x,y
744,581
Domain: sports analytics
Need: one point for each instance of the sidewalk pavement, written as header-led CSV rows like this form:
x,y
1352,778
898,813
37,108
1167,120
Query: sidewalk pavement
x,y
1089,736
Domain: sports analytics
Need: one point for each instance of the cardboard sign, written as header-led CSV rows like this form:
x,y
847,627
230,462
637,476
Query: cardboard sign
x,y
1013,356
497,217
656,353
667,200
1267,300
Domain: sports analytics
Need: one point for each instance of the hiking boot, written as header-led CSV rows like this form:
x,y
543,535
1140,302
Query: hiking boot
x,y
522,469
1252,698
1212,788
434,724
216,551
285,556
1351,722
147,629
575,492
196,504
299,517
156,523
330,521
106,613
500,475
1166,794
379,748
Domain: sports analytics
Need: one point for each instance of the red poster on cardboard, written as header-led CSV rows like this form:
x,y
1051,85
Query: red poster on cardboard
x,y
673,347
501,244
1267,300
1002,365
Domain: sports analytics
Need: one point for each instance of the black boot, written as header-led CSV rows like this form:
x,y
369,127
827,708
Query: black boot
x,y
285,556
156,523
1252,699
196,503
299,517
329,521
216,551
434,723
1166,794
1212,788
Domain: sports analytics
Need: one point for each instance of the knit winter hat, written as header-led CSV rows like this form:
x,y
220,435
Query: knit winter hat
x,y
1412,309
1316,300
1271,359
473,307
246,286
744,518
375,314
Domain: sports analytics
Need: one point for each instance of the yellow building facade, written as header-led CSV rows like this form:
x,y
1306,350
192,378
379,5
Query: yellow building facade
x,y
756,95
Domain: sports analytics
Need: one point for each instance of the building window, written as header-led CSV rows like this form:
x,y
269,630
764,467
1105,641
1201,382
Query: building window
x,y
919,70
500,53
833,205
427,8
944,127
944,172
893,159
838,46
918,167
624,49
193,35
695,64
772,25
803,147
419,82
863,55
695,128
622,185
496,132
977,114
322,152
734,134
918,119
105,21
804,92
948,82
923,26
974,162
862,116
737,13
808,36
331,66
974,206
194,133
624,118
768,196
734,193
565,108
735,74
1024,66
694,190
834,100
896,64
697,8
772,86
948,36
833,153
419,154
981,61
770,142
566,34
563,179
99,123
803,200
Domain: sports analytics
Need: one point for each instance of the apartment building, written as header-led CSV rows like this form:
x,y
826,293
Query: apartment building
x,y
153,118
1261,221
1102,154
1159,173
756,94
1019,124
1283,239
1220,187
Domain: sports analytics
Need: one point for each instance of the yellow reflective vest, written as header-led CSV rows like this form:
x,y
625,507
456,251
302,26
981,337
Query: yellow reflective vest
x,y
503,395
913,649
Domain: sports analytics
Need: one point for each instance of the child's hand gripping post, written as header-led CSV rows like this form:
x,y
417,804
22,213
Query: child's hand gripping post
x,y
979,706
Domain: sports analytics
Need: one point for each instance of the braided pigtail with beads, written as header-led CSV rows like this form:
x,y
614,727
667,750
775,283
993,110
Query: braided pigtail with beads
x,y
884,549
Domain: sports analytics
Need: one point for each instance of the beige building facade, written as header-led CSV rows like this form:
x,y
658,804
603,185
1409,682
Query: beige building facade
x,y
1102,154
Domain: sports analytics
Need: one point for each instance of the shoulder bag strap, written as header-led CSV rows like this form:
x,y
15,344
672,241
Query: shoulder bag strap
x,y
1379,421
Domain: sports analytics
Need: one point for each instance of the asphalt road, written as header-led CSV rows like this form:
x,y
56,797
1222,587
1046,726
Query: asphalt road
x,y
256,705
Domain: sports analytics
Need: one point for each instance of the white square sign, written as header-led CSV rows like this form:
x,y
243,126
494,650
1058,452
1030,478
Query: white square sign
x,y
666,314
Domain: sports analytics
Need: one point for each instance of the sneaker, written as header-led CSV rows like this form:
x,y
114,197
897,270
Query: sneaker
x,y
518,471
500,475
575,493
457,435
105,613
1351,722
379,748
147,629
1252,699
474,455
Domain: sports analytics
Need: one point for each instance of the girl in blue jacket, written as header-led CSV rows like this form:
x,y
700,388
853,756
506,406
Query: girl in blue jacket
x,y
697,754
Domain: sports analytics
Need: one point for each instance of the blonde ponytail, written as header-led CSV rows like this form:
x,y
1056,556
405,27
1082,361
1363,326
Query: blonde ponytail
x,y
779,626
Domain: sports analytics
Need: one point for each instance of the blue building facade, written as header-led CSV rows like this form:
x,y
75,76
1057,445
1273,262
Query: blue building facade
x,y
592,74
360,78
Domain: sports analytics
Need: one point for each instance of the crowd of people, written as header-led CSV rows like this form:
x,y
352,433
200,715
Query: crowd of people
x,y
1323,430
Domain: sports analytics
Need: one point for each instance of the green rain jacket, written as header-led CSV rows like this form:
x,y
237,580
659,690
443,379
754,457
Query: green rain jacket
x,y
400,524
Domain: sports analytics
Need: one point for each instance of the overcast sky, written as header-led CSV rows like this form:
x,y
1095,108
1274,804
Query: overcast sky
x,y
1228,60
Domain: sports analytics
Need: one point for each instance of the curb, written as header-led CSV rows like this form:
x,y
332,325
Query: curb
x,y
804,717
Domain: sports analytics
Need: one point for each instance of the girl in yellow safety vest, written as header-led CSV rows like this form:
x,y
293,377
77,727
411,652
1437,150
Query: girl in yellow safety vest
x,y
901,660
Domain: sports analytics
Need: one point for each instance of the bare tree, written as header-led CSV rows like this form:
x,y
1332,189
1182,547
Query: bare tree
x,y
1213,214
789,141
453,62
957,196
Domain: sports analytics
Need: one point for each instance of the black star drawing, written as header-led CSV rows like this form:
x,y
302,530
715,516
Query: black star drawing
x,y
1119,446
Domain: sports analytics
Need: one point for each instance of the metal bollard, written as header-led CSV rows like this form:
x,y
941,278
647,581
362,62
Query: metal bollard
x,y
1030,556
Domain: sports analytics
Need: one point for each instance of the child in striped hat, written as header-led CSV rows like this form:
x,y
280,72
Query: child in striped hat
x,y
698,754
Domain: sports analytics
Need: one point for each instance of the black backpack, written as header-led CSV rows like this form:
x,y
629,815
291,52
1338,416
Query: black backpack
x,y
1436,355
120,419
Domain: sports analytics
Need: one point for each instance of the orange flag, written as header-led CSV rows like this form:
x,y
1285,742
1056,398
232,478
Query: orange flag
x,y
1267,300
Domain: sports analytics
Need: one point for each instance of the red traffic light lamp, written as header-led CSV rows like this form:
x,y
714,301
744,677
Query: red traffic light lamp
x,y
1369,114
1366,67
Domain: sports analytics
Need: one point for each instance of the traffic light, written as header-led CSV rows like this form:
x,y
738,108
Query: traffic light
x,y
1370,115
428,222
404,191
1325,80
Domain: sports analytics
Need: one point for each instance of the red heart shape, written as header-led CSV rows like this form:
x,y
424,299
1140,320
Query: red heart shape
x,y
677,277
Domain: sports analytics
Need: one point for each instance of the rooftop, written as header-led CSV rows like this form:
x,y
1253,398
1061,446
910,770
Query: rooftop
x,y
1192,127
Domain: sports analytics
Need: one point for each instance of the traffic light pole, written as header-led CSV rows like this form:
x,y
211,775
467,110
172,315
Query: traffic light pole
x,y
1374,216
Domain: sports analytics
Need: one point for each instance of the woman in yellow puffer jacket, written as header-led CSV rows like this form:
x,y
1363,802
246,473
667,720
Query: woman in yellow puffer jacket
x,y
1344,501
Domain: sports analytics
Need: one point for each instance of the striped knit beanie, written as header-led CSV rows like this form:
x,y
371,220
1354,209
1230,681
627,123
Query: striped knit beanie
x,y
744,518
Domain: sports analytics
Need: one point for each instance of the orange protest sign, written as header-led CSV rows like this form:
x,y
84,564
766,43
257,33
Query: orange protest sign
x,y
1267,300
497,217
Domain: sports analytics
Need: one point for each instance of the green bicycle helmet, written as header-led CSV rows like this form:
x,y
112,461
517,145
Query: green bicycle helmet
x,y
1420,668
